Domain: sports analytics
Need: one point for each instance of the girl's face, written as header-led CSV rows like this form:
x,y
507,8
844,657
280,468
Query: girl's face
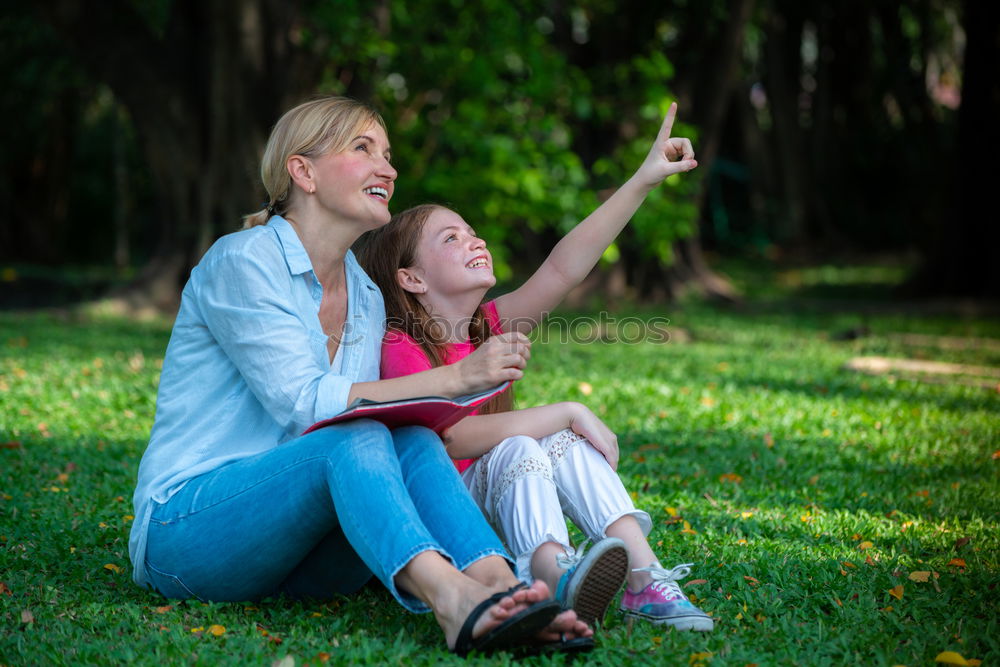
x,y
358,182
451,259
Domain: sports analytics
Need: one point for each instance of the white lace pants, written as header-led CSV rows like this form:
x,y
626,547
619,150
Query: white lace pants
x,y
524,487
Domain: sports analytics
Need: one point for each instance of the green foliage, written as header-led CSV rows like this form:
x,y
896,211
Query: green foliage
x,y
487,117
784,465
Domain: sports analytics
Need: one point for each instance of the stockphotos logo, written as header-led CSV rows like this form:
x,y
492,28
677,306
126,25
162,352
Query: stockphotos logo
x,y
602,328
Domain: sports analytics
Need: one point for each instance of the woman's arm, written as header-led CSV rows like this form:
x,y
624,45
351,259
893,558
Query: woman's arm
x,y
499,359
478,434
576,254
244,301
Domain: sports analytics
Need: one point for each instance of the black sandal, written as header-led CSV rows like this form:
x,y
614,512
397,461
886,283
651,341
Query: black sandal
x,y
562,645
513,632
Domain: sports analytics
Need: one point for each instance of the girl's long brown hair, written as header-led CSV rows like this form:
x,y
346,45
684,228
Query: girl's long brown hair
x,y
382,253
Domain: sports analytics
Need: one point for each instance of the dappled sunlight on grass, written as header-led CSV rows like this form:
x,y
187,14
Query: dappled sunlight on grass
x,y
805,494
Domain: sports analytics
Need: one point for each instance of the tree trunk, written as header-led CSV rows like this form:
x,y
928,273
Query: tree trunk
x,y
202,95
712,99
963,261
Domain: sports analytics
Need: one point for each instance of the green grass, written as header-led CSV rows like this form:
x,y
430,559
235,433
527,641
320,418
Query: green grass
x,y
782,464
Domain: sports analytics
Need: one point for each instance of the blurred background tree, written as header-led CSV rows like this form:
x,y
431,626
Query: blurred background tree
x,y
132,129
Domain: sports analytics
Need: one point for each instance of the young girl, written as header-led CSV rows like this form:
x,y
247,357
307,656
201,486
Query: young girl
x,y
526,468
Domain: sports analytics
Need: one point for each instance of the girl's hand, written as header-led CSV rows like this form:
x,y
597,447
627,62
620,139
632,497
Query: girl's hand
x,y
501,358
668,156
587,424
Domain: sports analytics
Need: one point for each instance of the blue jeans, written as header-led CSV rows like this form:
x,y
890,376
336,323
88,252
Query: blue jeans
x,y
317,516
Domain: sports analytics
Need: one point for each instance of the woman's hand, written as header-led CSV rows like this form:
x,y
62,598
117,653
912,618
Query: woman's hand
x,y
501,358
668,155
587,424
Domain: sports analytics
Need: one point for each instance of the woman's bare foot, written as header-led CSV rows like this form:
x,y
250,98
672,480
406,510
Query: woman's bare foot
x,y
454,607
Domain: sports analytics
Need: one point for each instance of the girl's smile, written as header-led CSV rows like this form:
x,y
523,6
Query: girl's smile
x,y
451,259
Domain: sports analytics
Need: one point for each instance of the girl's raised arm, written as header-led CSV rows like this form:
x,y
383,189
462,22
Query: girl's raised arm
x,y
576,253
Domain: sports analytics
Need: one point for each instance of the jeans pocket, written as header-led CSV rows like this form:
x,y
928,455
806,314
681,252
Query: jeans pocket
x,y
168,585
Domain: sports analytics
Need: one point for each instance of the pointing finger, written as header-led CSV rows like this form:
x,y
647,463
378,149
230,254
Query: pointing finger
x,y
668,123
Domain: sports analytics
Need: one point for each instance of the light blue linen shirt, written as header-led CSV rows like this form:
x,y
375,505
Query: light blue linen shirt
x,y
247,366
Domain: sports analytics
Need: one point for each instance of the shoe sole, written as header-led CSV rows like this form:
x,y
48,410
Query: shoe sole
x,y
599,578
682,623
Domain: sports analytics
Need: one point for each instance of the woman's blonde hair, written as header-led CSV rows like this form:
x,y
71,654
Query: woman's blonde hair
x,y
323,125
381,253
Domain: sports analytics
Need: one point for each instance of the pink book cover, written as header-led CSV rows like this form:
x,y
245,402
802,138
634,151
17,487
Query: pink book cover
x,y
434,412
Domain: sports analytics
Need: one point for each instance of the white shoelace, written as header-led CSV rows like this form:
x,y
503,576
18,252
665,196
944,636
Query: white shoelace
x,y
573,556
666,580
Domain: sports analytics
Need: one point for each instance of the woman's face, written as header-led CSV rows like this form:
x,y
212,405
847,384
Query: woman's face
x,y
357,182
451,259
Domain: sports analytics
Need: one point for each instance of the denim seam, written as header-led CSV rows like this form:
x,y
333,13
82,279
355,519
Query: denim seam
x,y
484,553
167,575
274,474
411,602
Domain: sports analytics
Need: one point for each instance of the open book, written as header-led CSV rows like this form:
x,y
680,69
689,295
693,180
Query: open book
x,y
434,412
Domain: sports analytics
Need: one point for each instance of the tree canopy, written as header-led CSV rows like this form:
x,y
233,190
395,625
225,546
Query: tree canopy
x,y
133,129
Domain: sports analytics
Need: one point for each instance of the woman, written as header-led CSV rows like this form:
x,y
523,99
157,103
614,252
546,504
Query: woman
x,y
278,328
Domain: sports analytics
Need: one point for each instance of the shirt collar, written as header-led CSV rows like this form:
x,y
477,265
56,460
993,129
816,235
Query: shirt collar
x,y
295,253
298,260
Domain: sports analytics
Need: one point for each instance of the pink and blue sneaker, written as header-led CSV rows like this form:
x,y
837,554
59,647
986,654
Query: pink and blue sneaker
x,y
664,603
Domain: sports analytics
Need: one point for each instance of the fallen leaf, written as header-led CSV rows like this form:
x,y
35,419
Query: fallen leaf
x,y
585,388
887,609
672,511
843,572
696,582
746,515
688,530
27,616
839,603
4,590
741,541
198,630
752,580
896,592
813,480
869,561
323,656
957,562
114,568
217,630
847,563
769,440
699,658
731,477
163,610
921,576
951,658
13,444
961,542
865,545
707,401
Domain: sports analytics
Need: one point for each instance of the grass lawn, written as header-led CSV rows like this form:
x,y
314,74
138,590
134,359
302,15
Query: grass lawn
x,y
833,518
